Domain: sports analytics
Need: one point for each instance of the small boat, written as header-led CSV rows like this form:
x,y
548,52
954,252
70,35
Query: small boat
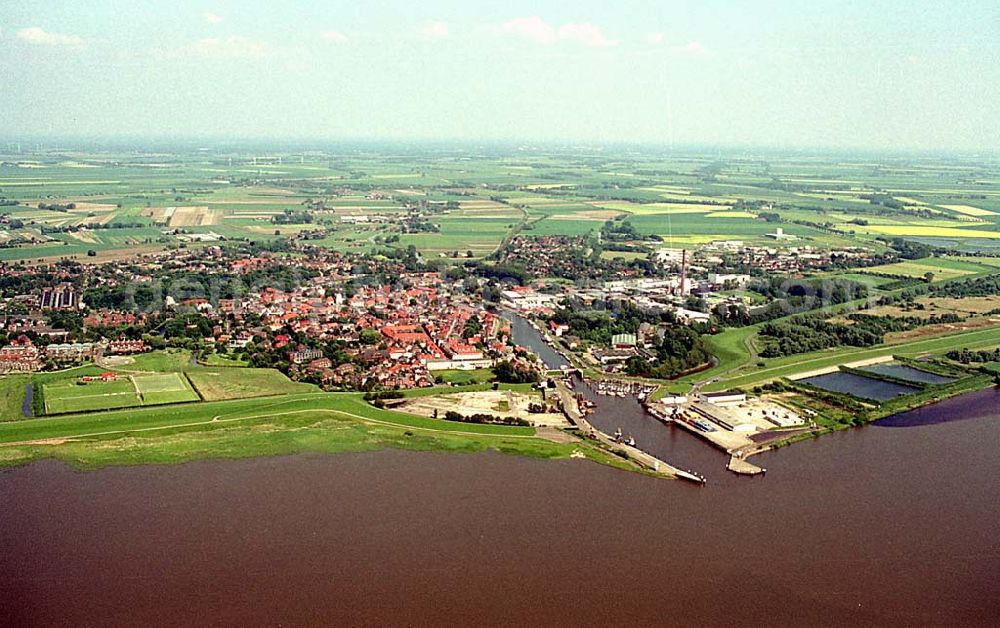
x,y
631,441
703,425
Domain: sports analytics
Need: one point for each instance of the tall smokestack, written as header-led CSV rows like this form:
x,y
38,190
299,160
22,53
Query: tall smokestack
x,y
684,259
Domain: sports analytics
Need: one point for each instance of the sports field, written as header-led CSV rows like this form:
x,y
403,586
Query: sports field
x,y
73,395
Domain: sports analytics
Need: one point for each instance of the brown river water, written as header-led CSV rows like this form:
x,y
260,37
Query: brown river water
x,y
883,525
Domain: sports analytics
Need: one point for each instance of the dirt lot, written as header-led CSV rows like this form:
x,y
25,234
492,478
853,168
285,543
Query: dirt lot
x,y
497,402
597,214
945,328
968,306
754,411
102,257
81,206
195,216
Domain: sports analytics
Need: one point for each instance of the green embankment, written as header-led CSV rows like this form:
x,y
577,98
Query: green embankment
x,y
729,348
12,396
317,422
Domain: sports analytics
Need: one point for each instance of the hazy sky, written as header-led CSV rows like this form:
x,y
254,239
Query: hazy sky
x,y
870,74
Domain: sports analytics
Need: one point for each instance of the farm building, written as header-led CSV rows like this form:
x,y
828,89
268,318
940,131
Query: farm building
x,y
103,377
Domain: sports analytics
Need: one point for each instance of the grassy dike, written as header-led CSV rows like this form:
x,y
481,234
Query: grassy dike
x,y
316,422
777,368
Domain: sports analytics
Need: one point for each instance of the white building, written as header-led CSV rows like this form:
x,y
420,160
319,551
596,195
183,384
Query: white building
x,y
719,279
527,300
669,256
687,316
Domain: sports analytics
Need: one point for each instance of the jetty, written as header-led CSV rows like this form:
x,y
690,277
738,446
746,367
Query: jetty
x,y
741,466
571,407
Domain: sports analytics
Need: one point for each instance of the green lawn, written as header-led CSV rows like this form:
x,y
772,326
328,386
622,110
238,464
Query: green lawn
x,y
216,359
462,378
216,384
160,361
12,396
729,348
164,388
69,395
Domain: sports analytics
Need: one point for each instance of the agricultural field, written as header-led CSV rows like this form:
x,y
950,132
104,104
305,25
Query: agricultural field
x,y
969,210
927,306
93,206
942,269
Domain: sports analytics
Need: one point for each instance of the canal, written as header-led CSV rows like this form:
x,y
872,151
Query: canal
x,y
527,336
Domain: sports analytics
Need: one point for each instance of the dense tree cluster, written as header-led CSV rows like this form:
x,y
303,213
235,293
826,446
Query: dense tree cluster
x,y
509,373
966,356
908,249
292,217
977,287
619,230
801,334
491,419
680,349
790,296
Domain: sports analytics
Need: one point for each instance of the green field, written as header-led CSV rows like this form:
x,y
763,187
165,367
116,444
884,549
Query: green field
x,y
216,359
159,361
463,377
319,422
216,384
71,395
164,388
12,396
943,269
